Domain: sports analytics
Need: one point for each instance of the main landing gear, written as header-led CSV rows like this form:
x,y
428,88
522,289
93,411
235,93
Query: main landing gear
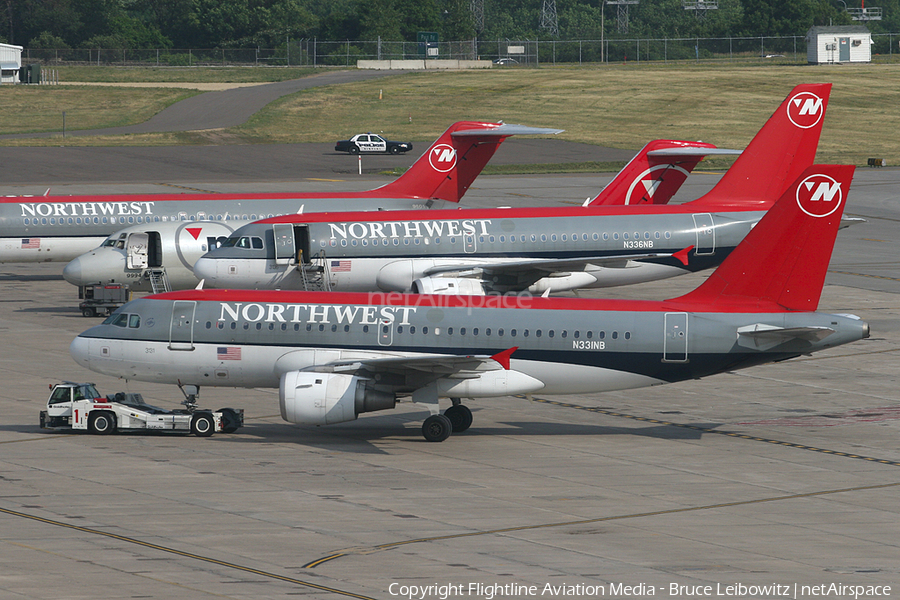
x,y
455,419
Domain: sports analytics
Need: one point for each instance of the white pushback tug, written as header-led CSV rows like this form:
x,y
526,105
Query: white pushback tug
x,y
80,406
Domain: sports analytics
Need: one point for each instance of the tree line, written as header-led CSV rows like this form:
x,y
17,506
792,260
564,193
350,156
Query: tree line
x,y
271,23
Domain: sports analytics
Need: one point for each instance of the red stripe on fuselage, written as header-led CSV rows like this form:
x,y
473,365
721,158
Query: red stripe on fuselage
x,y
517,213
500,302
376,193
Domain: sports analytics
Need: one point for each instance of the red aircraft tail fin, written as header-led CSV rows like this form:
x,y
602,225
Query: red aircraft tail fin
x,y
783,260
655,173
780,151
450,165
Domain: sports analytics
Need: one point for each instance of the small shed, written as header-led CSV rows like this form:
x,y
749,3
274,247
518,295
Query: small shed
x,y
10,63
842,44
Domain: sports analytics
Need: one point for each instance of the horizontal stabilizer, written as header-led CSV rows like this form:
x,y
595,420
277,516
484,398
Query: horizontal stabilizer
x,y
694,152
762,337
506,129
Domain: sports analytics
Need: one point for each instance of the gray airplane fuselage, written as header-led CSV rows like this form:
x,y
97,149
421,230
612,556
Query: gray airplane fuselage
x,y
58,229
566,346
504,249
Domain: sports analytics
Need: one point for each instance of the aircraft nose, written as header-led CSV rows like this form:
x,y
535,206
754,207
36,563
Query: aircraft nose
x,y
97,266
72,272
78,349
206,268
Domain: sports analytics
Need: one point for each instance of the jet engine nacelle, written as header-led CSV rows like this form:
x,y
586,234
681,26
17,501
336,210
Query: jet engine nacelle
x,y
325,398
454,286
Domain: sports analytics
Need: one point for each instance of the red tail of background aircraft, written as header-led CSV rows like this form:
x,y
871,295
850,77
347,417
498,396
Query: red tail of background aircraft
x,y
455,159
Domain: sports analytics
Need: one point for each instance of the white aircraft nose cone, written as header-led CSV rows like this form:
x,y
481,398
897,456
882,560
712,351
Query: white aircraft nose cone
x,y
78,349
73,271
205,268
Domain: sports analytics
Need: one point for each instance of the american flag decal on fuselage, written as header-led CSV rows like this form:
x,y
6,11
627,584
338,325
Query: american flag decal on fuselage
x,y
228,353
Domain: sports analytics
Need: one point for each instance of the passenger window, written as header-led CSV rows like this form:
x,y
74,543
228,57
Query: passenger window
x,y
500,332
462,331
627,335
424,330
615,335
487,331
550,333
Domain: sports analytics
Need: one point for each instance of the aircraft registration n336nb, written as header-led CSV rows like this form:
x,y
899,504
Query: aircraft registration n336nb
x,y
334,356
48,229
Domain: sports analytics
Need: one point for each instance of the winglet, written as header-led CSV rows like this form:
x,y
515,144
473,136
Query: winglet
x,y
682,255
454,160
784,259
503,357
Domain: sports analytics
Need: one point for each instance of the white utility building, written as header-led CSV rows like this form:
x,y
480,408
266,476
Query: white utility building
x,y
843,44
10,63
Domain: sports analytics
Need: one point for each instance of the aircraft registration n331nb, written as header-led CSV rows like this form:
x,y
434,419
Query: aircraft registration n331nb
x,y
48,229
334,356
626,235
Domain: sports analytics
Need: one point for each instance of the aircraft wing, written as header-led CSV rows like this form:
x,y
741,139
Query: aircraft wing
x,y
418,374
526,272
436,364
761,336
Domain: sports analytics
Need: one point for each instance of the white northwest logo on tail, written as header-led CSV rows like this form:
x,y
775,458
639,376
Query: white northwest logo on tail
x,y
805,110
442,158
819,195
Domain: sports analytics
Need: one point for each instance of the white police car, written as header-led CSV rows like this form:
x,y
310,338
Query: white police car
x,y
370,142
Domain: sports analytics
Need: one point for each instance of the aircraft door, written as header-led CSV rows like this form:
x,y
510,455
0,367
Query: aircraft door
x,y
386,331
284,243
136,251
301,240
706,234
154,249
675,342
181,329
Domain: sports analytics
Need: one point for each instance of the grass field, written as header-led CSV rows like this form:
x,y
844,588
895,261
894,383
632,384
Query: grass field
x,y
618,106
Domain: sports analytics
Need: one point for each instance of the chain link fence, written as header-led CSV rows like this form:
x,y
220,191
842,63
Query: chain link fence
x,y
311,52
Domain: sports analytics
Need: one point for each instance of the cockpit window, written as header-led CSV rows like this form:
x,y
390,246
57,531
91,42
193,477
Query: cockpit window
x,y
134,321
121,320
244,241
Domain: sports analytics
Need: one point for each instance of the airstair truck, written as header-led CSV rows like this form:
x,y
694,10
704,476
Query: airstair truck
x,y
79,406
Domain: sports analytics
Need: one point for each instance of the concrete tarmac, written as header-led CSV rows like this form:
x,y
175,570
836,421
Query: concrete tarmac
x,y
782,475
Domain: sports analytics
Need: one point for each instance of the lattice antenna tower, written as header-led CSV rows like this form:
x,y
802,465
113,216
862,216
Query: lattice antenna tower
x,y
700,7
477,7
622,13
549,20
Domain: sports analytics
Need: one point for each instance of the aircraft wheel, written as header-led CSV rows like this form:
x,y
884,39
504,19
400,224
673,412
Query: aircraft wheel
x,y
203,425
230,422
101,423
437,428
460,417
